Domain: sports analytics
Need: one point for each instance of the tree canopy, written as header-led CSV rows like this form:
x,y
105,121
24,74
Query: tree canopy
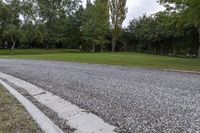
x,y
98,26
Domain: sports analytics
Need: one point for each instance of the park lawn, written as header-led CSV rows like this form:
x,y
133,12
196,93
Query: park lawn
x,y
13,116
131,59
37,51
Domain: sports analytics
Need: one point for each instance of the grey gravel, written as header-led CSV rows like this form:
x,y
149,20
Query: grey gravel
x,y
135,100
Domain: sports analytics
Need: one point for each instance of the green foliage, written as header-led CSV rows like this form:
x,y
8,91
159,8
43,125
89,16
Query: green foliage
x,y
160,34
187,10
40,23
55,16
68,24
173,31
96,25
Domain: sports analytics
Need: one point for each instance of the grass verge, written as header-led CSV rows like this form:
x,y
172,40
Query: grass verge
x,y
122,58
13,116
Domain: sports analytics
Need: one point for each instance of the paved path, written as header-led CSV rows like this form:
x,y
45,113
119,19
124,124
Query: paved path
x,y
133,99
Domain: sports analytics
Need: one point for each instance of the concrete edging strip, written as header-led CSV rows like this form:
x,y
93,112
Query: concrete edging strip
x,y
79,119
42,120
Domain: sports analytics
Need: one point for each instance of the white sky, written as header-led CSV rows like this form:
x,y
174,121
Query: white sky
x,y
137,8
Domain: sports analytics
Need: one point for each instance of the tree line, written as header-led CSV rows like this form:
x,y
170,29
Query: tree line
x,y
175,31
98,26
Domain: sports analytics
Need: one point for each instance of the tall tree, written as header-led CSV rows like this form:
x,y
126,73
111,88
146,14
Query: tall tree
x,y
54,14
12,23
105,9
1,21
96,24
118,12
188,10
161,34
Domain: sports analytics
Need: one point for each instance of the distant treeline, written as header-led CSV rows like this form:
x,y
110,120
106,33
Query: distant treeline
x,y
67,24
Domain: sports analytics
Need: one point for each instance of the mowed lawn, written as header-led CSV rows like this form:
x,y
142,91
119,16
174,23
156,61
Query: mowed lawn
x,y
118,58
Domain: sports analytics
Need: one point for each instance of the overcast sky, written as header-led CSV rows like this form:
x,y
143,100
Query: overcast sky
x,y
137,8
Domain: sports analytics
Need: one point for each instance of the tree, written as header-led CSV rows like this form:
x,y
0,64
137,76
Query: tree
x,y
55,15
34,34
188,11
12,32
1,21
69,27
160,33
118,12
96,26
12,22
40,23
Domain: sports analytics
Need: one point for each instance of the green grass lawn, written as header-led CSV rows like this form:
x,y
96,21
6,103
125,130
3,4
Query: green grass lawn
x,y
37,51
123,58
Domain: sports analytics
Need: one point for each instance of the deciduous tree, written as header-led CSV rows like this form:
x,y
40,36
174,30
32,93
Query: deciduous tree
x,y
96,24
188,10
118,13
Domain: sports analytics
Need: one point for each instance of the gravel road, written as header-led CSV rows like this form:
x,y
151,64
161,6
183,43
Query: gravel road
x,y
135,100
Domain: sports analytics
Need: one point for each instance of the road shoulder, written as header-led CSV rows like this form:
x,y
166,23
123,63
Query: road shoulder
x,y
13,116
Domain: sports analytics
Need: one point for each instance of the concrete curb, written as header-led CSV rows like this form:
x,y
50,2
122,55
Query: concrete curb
x,y
42,120
77,118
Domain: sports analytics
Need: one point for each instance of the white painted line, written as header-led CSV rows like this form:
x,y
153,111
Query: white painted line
x,y
42,120
76,118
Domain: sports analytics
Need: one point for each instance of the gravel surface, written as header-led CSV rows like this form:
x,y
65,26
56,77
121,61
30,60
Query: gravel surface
x,y
135,100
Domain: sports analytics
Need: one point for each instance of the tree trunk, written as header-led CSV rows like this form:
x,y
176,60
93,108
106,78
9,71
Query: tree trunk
x,y
174,52
199,42
113,43
93,46
13,46
93,35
